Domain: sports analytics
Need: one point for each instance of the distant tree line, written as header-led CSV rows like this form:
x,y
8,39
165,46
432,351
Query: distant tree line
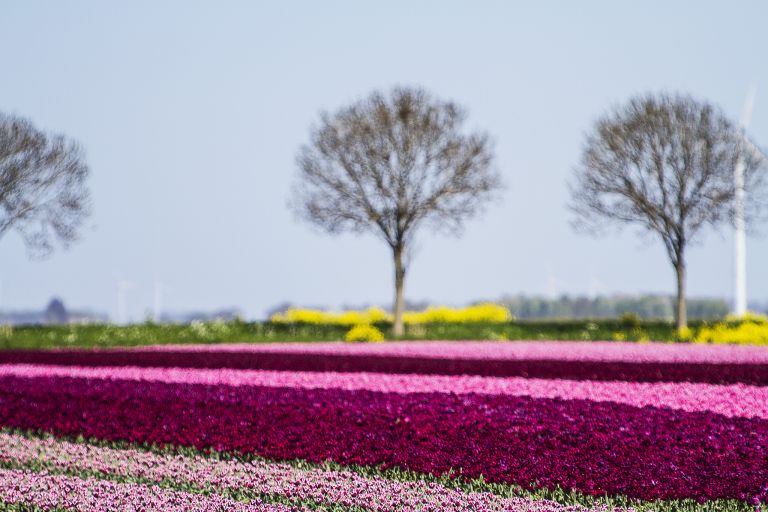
x,y
659,307
186,317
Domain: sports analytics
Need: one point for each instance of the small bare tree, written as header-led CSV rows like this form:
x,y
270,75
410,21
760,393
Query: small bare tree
x,y
391,164
664,163
43,192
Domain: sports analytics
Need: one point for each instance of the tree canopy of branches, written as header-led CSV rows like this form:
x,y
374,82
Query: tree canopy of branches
x,y
43,192
390,164
665,163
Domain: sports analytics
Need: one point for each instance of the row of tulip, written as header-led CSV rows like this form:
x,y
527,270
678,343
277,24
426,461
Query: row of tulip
x,y
257,479
591,446
576,351
735,400
62,492
562,360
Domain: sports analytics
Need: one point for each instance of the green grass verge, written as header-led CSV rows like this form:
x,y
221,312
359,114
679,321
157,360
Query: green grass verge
x,y
37,337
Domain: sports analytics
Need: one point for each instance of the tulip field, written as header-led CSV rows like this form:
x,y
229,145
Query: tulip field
x,y
412,426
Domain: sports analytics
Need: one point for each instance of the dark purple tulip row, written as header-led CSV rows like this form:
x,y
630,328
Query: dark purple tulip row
x,y
594,447
716,373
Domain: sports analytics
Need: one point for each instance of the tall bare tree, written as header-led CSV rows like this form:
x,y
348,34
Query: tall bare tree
x,y
665,164
43,192
390,164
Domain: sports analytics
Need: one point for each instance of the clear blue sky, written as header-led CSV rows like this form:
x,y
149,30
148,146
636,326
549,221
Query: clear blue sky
x,y
191,114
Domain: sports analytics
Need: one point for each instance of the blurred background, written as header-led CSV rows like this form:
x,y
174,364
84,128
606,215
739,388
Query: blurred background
x,y
191,115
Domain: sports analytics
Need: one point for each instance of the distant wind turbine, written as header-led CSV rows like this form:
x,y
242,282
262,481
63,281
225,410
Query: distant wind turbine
x,y
740,237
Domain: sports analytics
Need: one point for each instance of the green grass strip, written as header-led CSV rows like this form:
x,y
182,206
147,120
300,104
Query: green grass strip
x,y
106,335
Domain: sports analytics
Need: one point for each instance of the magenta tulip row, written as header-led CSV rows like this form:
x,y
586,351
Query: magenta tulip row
x,y
562,360
736,400
56,492
590,446
319,485
516,350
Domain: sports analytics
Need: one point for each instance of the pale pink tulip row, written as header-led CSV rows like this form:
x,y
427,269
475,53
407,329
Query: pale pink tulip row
x,y
509,350
735,400
319,485
51,492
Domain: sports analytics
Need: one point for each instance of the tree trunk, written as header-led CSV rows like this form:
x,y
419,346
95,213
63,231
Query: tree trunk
x,y
398,330
681,315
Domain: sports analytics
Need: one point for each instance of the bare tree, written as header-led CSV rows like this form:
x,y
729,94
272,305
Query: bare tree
x,y
665,163
390,164
43,192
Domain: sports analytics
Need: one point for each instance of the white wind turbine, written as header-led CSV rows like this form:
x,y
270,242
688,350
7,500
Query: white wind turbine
x,y
740,238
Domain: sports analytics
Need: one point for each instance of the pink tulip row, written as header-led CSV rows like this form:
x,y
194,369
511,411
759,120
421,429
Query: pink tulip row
x,y
735,400
319,485
516,350
54,492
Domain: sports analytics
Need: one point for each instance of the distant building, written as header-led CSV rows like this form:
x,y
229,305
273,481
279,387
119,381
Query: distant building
x,y
55,313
